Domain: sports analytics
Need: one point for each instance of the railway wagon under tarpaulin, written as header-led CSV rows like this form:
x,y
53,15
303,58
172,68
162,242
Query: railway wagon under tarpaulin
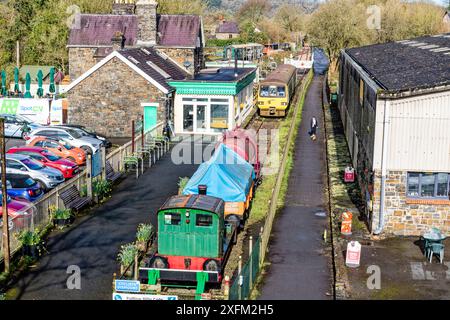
x,y
229,177
244,143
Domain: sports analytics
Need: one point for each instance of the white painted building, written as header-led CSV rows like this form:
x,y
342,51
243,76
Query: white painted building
x,y
214,101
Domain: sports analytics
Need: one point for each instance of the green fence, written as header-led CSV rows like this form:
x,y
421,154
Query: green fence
x,y
245,280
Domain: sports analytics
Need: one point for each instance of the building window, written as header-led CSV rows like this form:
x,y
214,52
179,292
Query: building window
x,y
219,117
188,118
428,185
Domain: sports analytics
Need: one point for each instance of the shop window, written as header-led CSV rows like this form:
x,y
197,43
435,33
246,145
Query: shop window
x,y
188,118
428,185
219,117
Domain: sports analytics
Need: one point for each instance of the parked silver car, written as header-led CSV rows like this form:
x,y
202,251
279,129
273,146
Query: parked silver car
x,y
71,136
14,125
47,177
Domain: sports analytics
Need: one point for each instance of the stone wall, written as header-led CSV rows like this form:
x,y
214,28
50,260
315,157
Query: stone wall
x,y
405,216
109,99
80,61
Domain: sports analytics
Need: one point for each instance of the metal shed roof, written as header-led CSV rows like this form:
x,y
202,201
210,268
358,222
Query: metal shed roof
x,y
418,63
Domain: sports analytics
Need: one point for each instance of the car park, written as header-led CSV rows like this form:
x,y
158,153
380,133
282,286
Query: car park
x,y
60,148
23,187
69,135
47,177
17,126
68,168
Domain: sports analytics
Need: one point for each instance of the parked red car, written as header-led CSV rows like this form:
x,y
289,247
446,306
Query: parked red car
x,y
20,213
48,158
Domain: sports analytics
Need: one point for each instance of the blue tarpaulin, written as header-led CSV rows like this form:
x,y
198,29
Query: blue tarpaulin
x,y
321,62
227,176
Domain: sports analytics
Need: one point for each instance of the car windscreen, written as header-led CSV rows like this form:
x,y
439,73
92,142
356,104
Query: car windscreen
x,y
32,164
24,182
74,133
66,145
51,156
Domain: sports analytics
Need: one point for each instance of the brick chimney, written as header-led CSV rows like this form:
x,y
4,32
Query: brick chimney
x,y
147,28
122,7
118,41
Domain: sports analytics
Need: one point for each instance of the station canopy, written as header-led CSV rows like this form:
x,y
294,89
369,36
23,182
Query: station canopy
x,y
227,176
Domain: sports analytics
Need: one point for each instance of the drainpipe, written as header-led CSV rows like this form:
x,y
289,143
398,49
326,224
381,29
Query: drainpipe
x,y
384,153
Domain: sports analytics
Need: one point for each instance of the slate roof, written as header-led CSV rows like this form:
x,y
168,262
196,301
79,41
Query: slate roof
x,y
99,29
418,63
152,62
228,27
178,30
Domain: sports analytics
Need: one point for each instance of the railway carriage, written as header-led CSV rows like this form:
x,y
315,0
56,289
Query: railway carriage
x,y
276,92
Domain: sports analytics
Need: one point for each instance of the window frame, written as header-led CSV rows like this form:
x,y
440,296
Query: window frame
x,y
210,217
435,196
172,214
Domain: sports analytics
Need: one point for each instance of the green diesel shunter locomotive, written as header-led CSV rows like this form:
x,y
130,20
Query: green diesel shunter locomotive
x,y
193,240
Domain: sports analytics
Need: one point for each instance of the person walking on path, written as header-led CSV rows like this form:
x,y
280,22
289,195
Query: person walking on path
x,y
313,128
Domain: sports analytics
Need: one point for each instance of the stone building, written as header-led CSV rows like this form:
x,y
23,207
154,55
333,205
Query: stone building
x,y
135,23
227,30
121,88
394,101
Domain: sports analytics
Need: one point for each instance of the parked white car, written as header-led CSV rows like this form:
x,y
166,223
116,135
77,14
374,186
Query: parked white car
x,y
71,136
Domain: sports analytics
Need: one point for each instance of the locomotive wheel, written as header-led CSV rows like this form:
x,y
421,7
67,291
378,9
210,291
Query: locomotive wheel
x,y
159,263
211,265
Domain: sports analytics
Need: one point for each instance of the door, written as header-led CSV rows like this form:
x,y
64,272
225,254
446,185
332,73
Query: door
x,y
150,117
201,118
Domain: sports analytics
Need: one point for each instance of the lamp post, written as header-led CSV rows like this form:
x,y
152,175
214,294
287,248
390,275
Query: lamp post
x,y
5,218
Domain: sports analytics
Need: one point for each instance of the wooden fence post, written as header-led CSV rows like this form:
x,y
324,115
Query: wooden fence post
x,y
136,266
261,246
103,153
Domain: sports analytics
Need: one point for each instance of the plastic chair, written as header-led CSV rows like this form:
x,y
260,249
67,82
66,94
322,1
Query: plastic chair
x,y
436,248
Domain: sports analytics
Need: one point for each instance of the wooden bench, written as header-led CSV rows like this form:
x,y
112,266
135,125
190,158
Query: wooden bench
x,y
111,175
73,200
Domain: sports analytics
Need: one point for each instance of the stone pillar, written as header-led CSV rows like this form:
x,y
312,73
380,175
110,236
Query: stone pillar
x,y
123,7
118,41
147,28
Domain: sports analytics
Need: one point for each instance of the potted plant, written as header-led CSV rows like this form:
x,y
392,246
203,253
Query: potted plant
x,y
62,218
182,182
101,189
32,243
126,257
143,236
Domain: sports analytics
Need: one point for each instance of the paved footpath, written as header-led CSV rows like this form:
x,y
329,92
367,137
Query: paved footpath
x,y
94,241
299,268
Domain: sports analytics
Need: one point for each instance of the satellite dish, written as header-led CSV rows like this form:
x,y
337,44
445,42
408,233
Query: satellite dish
x,y
187,64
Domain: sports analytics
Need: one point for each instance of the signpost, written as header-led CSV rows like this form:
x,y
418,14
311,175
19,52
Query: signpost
x,y
96,164
353,256
130,296
127,286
